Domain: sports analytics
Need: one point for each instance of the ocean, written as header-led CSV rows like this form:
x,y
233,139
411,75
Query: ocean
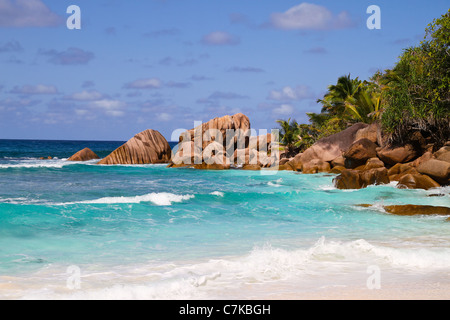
x,y
71,230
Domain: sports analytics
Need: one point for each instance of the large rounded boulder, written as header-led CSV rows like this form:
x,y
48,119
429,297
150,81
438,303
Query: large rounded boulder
x,y
146,147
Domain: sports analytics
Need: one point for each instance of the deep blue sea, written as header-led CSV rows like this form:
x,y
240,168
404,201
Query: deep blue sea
x,y
71,230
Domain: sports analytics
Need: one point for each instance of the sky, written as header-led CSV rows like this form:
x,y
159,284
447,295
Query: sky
x,y
163,64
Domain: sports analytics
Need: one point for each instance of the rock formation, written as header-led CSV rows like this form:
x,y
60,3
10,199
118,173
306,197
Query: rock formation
x,y
358,179
330,148
84,155
438,170
216,130
393,156
359,152
214,144
146,147
412,210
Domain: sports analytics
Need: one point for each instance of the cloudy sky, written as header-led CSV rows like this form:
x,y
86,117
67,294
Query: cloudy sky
x,y
158,64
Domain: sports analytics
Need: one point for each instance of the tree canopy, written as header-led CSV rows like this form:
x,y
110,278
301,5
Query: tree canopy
x,y
412,96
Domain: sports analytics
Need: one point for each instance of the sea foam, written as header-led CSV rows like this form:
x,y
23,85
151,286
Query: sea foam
x,y
160,199
254,273
36,164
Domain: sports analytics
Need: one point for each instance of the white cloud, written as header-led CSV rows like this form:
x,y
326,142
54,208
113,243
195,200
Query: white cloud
x,y
81,112
164,116
220,38
27,13
289,93
85,96
149,83
307,16
36,89
71,56
108,104
284,109
112,108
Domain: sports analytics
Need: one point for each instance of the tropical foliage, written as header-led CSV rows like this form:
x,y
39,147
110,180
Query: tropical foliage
x,y
412,96
416,93
296,137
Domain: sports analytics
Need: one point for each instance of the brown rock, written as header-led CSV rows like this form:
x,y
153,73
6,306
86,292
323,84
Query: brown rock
x,y
444,157
284,161
354,179
315,166
214,166
417,140
441,151
359,152
296,164
254,167
339,161
423,158
363,205
374,177
410,210
181,165
216,130
84,155
370,133
231,132
348,179
338,169
401,169
373,163
393,156
288,167
443,154
436,169
146,147
417,181
329,148
187,154
262,142
253,156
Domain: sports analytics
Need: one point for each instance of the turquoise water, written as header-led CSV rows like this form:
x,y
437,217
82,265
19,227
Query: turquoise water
x,y
151,232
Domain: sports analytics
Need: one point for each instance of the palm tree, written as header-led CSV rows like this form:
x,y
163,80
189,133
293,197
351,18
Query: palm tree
x,y
365,104
308,135
289,134
333,102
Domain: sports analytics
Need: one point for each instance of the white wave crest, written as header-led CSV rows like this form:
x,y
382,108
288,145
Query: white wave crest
x,y
276,183
255,274
160,199
36,164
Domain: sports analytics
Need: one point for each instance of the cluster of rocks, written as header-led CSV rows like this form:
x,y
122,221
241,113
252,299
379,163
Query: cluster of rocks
x,y
361,158
224,143
146,147
358,155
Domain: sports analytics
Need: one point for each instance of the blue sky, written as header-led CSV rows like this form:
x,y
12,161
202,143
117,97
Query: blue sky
x,y
162,65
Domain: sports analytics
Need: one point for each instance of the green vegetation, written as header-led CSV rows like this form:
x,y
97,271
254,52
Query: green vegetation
x,y
412,96
297,137
416,92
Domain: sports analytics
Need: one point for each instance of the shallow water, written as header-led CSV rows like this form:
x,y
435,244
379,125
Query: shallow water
x,y
82,231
